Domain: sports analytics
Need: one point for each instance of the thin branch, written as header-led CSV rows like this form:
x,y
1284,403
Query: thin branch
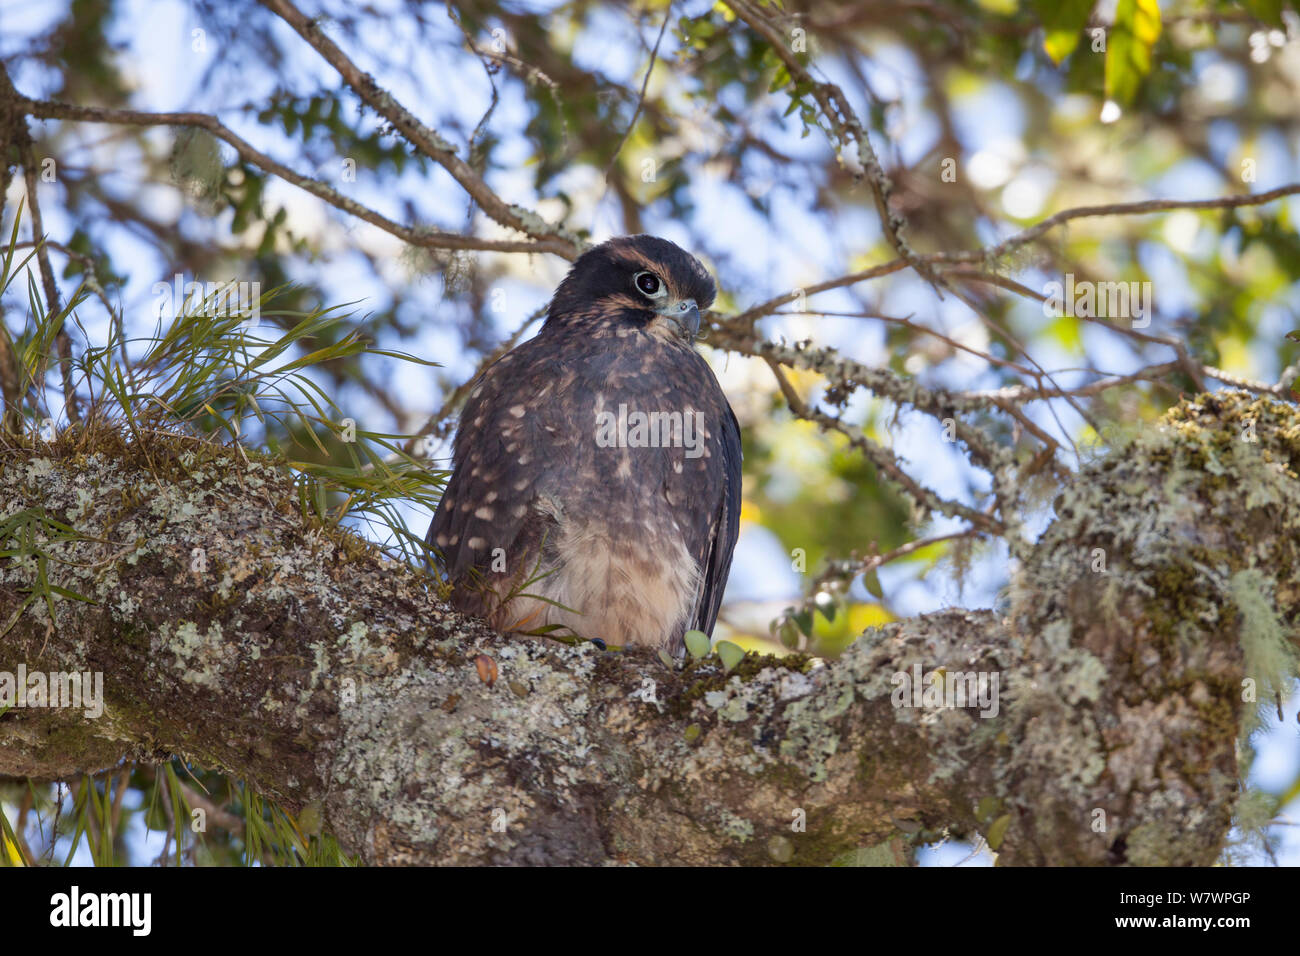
x,y
640,100
1041,372
880,456
756,312
854,566
1026,393
907,323
1142,208
63,341
415,235
438,424
1189,365
428,141
845,125
746,319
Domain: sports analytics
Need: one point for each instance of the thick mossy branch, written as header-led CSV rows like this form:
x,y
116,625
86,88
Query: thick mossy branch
x,y
230,630
1139,677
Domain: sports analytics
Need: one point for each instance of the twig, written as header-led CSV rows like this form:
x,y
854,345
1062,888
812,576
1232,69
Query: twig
x,y
1025,393
63,341
437,423
1141,208
856,566
906,322
428,141
640,100
415,235
881,457
845,126
754,313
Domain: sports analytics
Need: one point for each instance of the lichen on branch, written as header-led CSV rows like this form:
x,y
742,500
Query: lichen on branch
x,y
1153,619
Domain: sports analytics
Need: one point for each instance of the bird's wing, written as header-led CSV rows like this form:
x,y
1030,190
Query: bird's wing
x,y
499,461
715,563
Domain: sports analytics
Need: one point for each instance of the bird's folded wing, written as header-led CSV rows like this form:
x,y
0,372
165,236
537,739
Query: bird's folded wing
x,y
715,555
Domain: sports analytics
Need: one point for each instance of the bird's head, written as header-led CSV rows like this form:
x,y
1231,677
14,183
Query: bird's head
x,y
634,283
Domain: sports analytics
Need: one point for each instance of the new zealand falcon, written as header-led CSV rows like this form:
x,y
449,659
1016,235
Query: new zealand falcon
x,y
596,469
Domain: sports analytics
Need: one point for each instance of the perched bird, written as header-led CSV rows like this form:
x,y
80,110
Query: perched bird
x,y
595,488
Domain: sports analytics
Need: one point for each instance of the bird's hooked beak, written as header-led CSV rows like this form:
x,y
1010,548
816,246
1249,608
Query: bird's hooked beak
x,y
685,314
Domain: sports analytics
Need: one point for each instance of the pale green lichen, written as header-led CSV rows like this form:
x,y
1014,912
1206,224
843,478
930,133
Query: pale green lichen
x,y
201,653
1082,676
736,827
1271,659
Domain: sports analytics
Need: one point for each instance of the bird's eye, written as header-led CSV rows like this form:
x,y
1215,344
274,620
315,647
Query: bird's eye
x,y
648,283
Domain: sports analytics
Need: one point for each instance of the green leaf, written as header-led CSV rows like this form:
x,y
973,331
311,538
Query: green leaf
x,y
986,808
71,595
1270,11
1128,48
9,843
697,643
731,654
825,604
871,581
805,621
1063,21
998,831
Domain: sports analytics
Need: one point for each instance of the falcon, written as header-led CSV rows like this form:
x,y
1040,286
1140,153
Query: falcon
x,y
595,486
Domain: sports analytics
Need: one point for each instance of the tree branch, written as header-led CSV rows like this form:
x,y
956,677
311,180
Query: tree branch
x,y
339,682
415,235
425,139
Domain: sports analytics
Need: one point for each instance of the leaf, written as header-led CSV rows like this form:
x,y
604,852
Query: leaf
x,y
1270,11
71,595
998,831
731,654
1128,48
781,78
1063,21
697,643
805,621
985,809
824,603
871,581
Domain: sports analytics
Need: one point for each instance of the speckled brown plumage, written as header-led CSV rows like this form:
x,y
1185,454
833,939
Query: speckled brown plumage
x,y
635,541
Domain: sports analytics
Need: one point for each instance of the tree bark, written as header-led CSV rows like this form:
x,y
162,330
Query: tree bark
x,y
233,632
